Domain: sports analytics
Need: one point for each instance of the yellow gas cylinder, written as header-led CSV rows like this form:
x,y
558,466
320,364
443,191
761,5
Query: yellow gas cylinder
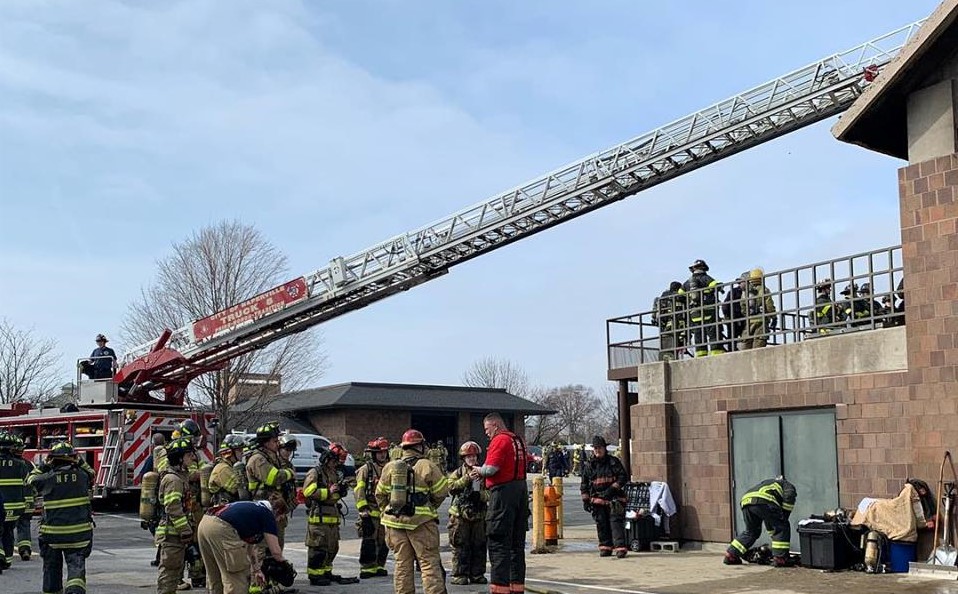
x,y
148,495
206,498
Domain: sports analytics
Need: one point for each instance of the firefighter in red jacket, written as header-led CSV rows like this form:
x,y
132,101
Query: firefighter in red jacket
x,y
603,479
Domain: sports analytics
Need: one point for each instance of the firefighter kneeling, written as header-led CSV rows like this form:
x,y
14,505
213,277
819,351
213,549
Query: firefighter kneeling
x,y
771,501
227,536
467,519
66,529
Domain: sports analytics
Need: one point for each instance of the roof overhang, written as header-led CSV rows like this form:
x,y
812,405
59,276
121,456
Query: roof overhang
x,y
877,120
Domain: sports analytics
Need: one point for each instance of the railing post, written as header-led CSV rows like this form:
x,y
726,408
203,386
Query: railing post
x,y
560,518
538,516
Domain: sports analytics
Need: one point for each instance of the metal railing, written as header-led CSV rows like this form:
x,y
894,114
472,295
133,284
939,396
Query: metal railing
x,y
849,294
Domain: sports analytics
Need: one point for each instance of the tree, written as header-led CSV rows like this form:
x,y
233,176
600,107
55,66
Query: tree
x,y
576,405
27,362
543,429
492,372
219,266
607,413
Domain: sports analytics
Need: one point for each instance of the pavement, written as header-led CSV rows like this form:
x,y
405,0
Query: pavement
x,y
122,551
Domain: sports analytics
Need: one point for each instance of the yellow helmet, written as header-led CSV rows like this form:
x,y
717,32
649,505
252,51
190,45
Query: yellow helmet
x,y
756,274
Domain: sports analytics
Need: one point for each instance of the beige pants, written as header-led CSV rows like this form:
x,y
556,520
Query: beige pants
x,y
172,559
227,562
408,546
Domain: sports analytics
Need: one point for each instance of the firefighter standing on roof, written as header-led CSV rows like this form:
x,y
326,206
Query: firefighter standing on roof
x,y
702,302
66,528
467,519
373,550
175,530
323,488
769,502
13,475
24,546
410,492
603,479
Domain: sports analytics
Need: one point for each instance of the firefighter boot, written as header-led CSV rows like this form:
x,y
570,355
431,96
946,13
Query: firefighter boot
x,y
731,559
319,580
783,562
25,552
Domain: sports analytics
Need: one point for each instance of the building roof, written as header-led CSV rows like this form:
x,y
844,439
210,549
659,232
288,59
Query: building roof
x,y
404,396
877,120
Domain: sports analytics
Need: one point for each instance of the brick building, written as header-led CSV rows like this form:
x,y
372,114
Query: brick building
x,y
357,412
866,410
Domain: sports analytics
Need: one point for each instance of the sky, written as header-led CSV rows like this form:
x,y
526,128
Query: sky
x,y
331,126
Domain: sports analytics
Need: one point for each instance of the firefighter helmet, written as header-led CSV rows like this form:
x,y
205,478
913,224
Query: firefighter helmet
x,y
380,444
18,444
189,428
823,285
100,338
267,432
176,448
337,449
699,265
62,449
599,442
470,448
850,289
231,442
412,437
865,289
6,440
288,442
756,274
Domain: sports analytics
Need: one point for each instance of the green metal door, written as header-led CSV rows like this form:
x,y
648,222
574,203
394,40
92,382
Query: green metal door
x,y
799,444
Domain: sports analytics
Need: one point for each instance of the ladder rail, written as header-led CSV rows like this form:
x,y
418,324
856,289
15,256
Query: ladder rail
x,y
800,98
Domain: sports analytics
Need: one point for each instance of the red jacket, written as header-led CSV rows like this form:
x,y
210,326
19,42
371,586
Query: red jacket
x,y
508,454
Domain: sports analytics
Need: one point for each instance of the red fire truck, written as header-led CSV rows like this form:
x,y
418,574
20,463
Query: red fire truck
x,y
115,441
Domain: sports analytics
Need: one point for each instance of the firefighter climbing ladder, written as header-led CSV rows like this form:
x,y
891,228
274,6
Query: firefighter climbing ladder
x,y
800,98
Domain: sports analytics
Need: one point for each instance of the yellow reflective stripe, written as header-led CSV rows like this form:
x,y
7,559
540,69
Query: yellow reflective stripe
x,y
779,544
14,482
172,497
271,477
323,519
180,522
61,503
70,545
309,490
739,546
360,484
425,510
381,488
71,529
440,484
361,504
400,525
76,582
374,513
788,506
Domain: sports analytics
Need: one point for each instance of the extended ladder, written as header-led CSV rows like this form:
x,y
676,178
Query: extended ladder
x,y
800,98
110,463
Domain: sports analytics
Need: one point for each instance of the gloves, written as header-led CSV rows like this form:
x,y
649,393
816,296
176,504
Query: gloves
x,y
587,506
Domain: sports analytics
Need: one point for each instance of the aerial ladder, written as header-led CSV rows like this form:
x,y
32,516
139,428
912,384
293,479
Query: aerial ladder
x,y
800,98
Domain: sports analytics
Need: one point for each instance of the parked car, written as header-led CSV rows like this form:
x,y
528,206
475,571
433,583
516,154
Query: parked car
x,y
534,458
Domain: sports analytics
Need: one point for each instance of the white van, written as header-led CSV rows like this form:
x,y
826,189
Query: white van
x,y
307,454
308,451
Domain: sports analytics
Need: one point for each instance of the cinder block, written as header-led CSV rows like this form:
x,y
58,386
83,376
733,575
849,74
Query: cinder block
x,y
665,545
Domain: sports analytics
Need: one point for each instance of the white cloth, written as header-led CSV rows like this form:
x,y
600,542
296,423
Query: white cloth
x,y
660,498
865,503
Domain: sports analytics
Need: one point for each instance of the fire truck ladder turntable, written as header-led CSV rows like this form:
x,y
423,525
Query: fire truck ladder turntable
x,y
795,100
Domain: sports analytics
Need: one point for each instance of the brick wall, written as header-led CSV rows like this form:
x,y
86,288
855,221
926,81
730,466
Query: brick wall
x,y
890,426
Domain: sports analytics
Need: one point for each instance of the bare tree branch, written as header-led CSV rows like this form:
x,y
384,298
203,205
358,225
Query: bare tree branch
x,y
492,372
576,405
26,365
217,267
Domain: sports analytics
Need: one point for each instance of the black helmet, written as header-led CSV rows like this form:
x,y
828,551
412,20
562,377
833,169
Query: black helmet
x,y
850,289
824,285
189,428
675,286
62,449
267,432
699,265
599,442
865,289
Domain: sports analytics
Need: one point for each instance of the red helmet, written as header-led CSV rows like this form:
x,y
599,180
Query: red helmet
x,y
412,437
337,449
380,444
470,448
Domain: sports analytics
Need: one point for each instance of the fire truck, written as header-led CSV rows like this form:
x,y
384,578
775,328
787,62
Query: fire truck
x,y
118,416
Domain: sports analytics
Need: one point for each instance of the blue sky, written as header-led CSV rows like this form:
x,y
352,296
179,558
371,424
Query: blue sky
x,y
125,126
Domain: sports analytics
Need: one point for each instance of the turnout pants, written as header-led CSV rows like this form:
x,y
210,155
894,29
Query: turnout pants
x,y
23,529
227,561
506,523
755,336
322,545
775,522
372,549
610,527
53,560
6,539
408,546
468,539
172,560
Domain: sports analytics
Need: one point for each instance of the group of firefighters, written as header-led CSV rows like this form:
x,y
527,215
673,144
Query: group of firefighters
x,y
689,313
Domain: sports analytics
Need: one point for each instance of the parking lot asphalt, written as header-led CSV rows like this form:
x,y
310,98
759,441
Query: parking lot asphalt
x,y
120,564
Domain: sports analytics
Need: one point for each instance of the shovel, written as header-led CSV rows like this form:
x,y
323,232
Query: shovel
x,y
945,553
